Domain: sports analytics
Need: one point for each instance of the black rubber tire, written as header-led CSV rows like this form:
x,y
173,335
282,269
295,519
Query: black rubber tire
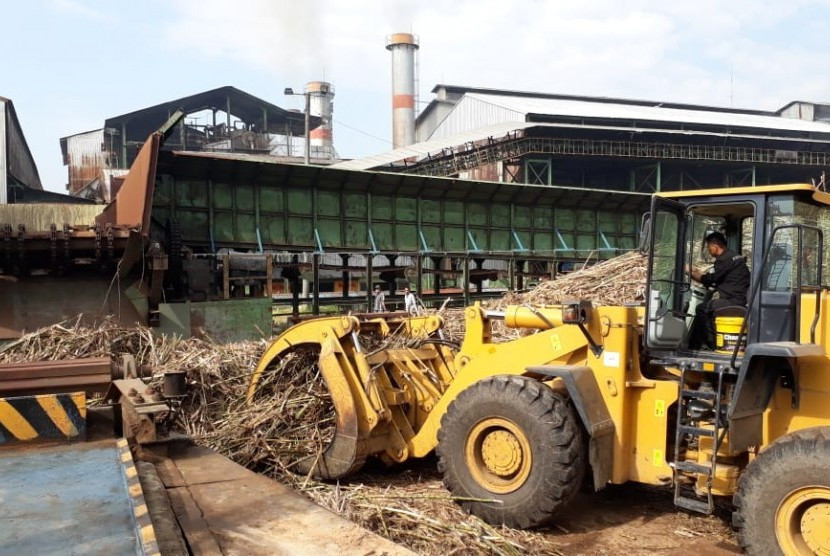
x,y
797,460
556,442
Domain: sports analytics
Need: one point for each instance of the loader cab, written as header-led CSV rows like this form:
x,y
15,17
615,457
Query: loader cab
x,y
780,232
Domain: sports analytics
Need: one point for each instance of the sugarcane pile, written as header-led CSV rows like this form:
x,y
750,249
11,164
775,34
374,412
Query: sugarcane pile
x,y
291,418
616,281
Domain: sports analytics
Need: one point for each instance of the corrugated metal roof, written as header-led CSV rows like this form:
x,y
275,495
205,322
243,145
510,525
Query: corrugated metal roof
x,y
498,131
420,150
619,111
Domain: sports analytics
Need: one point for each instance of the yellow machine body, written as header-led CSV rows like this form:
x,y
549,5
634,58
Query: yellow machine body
x,y
392,402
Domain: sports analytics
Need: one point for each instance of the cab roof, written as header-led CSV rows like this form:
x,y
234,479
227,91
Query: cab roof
x,y
817,194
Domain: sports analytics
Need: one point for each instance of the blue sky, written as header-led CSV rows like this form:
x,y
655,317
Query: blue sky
x,y
69,64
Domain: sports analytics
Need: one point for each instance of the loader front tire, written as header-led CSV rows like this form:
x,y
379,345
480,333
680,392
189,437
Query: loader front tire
x,y
512,451
783,500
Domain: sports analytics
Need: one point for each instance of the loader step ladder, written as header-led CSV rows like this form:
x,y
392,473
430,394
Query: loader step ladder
x,y
690,430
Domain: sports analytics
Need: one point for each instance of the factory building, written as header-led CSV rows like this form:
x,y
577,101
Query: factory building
x,y
18,172
610,144
220,120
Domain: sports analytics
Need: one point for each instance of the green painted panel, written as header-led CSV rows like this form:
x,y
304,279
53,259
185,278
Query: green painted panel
x,y
328,203
586,221
542,241
500,240
564,220
162,192
406,237
300,231
245,227
299,201
161,214
430,211
521,216
223,223
543,218
453,212
480,237
273,229
477,214
383,235
406,209
454,239
174,319
432,235
194,225
356,234
626,242
525,238
244,197
570,243
354,205
191,194
381,208
329,230
628,223
271,200
222,196
500,216
609,222
585,242
233,320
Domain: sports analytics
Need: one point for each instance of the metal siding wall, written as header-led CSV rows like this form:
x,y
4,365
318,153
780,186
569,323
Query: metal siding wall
x,y
86,158
472,113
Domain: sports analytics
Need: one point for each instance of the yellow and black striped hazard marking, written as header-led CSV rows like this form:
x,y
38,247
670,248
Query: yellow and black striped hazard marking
x,y
43,417
141,517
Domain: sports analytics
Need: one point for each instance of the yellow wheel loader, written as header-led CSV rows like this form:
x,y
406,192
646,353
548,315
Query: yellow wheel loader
x,y
615,393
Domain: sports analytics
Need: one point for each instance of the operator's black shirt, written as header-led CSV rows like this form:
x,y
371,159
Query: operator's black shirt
x,y
730,276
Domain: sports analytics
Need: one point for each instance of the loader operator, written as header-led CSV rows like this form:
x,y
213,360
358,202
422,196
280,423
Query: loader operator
x,y
730,276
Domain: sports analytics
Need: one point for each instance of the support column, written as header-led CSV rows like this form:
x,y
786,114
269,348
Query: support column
x,y
520,274
295,286
419,276
369,283
315,270
344,276
466,273
436,262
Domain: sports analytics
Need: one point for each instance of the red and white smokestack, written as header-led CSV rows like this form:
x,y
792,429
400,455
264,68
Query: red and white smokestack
x,y
321,103
403,47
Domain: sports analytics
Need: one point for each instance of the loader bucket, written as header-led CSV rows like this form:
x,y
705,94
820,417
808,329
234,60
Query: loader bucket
x,y
359,403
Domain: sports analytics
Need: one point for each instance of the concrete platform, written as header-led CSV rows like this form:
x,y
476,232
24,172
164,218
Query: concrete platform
x,y
224,508
69,499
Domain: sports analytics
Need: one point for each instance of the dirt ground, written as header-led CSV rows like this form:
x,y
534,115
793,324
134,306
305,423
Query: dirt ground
x,y
628,519
631,519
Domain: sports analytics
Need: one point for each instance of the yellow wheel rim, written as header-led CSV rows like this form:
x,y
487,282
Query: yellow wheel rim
x,y
802,522
498,455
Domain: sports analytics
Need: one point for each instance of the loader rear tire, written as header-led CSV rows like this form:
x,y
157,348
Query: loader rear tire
x,y
512,451
783,500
